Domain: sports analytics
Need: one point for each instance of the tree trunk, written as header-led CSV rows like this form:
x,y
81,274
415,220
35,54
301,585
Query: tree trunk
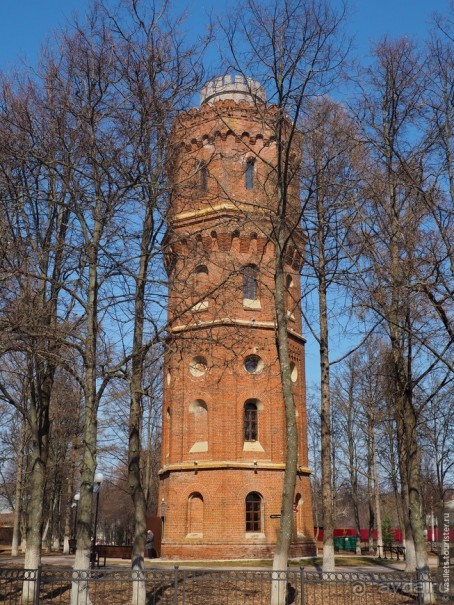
x,y
325,412
394,470
69,511
41,386
410,553
135,411
414,499
352,459
79,590
377,501
280,559
18,493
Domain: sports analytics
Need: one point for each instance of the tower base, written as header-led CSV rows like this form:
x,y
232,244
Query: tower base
x,y
207,551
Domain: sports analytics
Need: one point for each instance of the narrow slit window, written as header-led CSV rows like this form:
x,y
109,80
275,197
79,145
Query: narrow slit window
x,y
203,176
250,290
250,421
250,174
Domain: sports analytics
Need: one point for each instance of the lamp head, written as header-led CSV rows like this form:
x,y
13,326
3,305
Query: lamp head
x,y
98,478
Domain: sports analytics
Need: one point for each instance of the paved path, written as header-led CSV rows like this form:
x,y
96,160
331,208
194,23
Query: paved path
x,y
68,561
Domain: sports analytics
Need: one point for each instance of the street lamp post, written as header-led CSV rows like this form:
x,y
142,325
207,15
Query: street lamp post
x,y
74,505
98,479
163,517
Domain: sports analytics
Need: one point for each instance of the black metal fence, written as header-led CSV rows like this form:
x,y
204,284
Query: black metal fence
x,y
184,586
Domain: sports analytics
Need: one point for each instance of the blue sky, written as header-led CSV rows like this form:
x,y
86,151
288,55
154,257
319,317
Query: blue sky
x,y
25,24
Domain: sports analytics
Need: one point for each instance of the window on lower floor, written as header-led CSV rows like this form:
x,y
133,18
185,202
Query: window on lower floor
x,y
195,514
254,512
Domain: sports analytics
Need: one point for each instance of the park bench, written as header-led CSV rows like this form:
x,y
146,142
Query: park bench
x,y
111,551
392,549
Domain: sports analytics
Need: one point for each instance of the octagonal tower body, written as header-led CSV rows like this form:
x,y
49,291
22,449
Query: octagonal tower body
x,y
223,445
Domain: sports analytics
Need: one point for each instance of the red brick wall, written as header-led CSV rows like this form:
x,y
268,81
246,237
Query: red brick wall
x,y
207,467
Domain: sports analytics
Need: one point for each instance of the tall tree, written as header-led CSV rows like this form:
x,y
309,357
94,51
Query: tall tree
x,y
293,48
159,77
345,395
34,313
394,218
329,180
98,202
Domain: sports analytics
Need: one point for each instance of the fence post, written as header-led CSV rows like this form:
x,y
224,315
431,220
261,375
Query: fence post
x,y
419,588
37,585
302,585
423,583
175,586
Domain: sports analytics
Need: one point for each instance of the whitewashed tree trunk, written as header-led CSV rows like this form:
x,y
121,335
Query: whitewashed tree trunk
x,y
377,504
18,494
32,561
66,544
79,585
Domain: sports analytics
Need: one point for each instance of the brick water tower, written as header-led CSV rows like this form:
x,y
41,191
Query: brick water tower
x,y
223,441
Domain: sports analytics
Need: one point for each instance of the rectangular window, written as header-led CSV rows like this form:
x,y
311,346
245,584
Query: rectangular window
x,y
250,282
203,176
250,422
250,174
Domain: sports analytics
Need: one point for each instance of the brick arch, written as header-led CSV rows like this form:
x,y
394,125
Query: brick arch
x,y
200,280
195,514
207,491
249,242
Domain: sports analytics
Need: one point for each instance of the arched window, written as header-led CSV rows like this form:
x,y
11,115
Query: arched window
x,y
250,421
200,279
249,174
250,289
197,429
253,512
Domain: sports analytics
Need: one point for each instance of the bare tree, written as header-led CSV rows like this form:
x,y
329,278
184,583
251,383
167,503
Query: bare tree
x,y
345,397
293,48
33,314
159,77
393,205
329,179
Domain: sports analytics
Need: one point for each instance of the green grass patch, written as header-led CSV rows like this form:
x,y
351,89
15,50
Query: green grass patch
x,y
344,561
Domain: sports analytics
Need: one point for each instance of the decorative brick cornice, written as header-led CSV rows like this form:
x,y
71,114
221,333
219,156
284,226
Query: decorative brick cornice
x,y
220,121
200,465
230,322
